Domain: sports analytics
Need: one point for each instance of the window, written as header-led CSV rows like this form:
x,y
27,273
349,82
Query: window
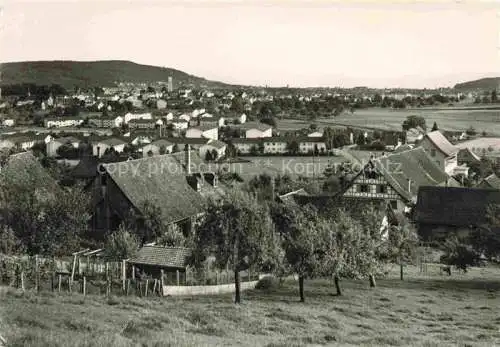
x,y
433,152
394,204
363,188
382,189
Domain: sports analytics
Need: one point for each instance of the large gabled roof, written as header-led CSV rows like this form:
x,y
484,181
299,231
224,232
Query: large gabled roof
x,y
415,165
442,143
455,206
492,181
161,181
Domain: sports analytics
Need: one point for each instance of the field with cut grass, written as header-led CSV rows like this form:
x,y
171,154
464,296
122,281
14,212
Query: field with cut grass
x,y
388,119
420,311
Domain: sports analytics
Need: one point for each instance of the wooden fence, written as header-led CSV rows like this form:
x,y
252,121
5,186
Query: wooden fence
x,y
103,278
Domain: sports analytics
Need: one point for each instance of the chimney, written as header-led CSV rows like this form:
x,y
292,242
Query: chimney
x,y
188,159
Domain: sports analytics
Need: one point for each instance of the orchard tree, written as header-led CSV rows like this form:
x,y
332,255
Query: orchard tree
x,y
236,230
299,229
121,244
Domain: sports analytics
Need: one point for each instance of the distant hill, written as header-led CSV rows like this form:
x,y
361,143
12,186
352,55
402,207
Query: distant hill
x,y
96,73
489,83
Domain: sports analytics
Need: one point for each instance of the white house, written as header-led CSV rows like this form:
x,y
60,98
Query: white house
x,y
244,145
129,116
442,152
414,134
119,121
99,147
256,130
161,104
315,134
141,139
9,122
275,145
185,117
208,132
22,142
312,144
179,124
62,122
54,145
214,146
157,147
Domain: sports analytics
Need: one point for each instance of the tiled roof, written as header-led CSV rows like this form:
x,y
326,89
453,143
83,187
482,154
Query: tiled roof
x,y
113,141
160,180
454,206
492,181
217,144
442,143
414,165
86,168
162,256
254,125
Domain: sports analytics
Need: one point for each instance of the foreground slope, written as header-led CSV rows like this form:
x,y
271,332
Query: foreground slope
x,y
437,311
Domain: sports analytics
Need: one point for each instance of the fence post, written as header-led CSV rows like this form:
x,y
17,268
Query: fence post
x,y
59,283
52,281
22,281
177,277
84,285
37,279
146,289
108,289
161,281
128,287
154,286
69,284
124,274
249,275
216,277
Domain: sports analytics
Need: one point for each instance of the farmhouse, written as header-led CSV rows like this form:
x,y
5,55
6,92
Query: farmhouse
x,y
442,152
396,178
208,132
169,182
312,145
441,211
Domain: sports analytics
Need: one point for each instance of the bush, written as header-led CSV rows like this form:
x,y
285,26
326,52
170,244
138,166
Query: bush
x,y
268,283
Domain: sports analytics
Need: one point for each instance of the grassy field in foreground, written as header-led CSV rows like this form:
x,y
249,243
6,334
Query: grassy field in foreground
x,y
433,311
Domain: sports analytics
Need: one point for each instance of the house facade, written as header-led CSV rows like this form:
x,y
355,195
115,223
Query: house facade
x,y
100,147
396,178
157,148
444,211
142,124
207,132
62,122
214,146
442,152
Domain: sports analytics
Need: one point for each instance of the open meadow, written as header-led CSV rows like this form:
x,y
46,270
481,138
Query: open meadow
x,y
451,119
430,310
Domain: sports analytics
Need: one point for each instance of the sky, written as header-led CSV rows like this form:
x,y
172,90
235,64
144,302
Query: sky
x,y
275,42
